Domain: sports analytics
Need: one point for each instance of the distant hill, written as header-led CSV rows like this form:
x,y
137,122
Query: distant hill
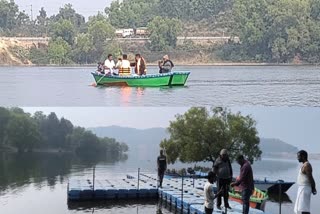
x,y
276,148
145,143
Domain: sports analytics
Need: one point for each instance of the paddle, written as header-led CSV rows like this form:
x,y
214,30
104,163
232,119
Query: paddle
x,y
96,84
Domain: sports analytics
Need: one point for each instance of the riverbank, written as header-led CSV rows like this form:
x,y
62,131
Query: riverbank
x,y
16,52
15,150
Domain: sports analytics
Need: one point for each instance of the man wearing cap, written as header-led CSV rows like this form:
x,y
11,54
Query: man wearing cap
x,y
222,167
166,65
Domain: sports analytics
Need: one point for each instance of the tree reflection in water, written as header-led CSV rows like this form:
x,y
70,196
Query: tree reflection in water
x,y
19,169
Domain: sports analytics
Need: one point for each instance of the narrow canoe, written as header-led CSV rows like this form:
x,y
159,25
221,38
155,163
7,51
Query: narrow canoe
x,y
177,78
257,199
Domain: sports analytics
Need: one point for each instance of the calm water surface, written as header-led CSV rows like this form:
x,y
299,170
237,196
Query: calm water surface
x,y
207,85
37,183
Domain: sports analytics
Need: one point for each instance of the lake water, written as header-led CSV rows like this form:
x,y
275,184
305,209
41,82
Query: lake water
x,y
34,183
207,85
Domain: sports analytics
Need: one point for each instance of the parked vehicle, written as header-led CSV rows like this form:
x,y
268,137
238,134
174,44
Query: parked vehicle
x,y
130,32
124,33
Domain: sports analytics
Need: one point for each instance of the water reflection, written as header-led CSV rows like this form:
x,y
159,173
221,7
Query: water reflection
x,y
277,198
20,169
125,93
107,204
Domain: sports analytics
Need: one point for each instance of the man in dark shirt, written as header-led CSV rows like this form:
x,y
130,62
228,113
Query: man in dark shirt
x,y
223,169
162,166
245,182
166,65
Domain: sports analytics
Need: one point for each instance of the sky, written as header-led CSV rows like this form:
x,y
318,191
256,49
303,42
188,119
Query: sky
x,y
296,126
85,8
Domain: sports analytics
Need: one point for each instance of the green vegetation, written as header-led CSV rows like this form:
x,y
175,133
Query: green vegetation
x,y
163,33
278,31
24,132
199,135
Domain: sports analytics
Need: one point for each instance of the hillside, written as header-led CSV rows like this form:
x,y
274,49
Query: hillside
x,y
142,143
275,147
146,142
12,52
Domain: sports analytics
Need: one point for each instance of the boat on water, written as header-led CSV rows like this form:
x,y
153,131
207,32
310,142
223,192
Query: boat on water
x,y
257,199
176,78
273,186
269,186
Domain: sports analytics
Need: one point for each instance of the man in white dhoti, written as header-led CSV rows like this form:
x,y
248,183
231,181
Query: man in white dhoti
x,y
306,185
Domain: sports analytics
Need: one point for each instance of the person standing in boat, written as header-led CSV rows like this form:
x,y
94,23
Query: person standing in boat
x,y
165,65
223,169
245,183
306,185
109,65
162,166
208,193
140,66
124,66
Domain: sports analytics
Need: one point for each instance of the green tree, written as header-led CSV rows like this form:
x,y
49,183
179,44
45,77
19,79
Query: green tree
x,y
63,29
4,119
99,29
83,48
163,33
279,31
8,15
199,135
42,22
68,13
192,10
131,13
59,51
22,133
39,55
65,128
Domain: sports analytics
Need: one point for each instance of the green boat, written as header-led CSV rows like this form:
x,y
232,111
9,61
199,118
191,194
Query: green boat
x,y
177,78
257,199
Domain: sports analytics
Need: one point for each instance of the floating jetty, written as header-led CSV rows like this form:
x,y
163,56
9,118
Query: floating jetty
x,y
182,193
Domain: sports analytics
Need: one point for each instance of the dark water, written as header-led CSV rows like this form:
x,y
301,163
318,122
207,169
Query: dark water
x,y
34,183
207,85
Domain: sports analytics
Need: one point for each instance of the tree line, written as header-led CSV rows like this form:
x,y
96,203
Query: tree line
x,y
269,30
25,132
275,31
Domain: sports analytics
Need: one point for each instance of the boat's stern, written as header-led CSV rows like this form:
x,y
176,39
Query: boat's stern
x,y
179,78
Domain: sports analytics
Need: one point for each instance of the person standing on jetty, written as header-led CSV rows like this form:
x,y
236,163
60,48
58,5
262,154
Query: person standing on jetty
x,y
306,185
223,169
208,193
245,182
162,166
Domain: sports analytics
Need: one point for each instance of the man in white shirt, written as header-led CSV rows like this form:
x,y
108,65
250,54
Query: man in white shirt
x,y
123,66
109,64
306,185
208,193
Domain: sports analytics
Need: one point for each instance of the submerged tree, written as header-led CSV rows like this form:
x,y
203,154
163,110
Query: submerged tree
x,y
199,135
